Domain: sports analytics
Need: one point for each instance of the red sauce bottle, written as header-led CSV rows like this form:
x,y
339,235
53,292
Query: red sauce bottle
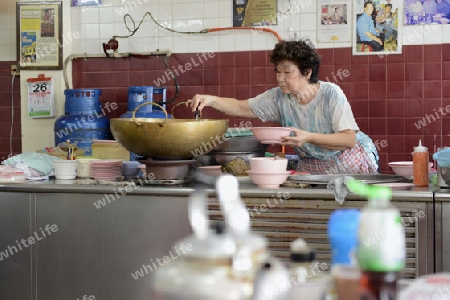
x,y
420,165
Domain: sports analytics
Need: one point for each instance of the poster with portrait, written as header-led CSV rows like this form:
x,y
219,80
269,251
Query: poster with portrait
x,y
39,35
334,21
421,12
377,27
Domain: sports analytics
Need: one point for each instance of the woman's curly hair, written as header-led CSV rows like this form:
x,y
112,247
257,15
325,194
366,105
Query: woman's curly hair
x,y
302,53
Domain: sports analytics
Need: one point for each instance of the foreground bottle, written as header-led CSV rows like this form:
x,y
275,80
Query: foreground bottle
x,y
381,243
343,235
229,264
309,278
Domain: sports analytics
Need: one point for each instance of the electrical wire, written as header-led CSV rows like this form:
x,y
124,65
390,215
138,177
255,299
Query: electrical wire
x,y
203,31
175,81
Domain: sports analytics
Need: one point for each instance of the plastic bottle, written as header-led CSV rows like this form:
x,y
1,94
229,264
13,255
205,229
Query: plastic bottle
x,y
309,278
381,247
343,235
420,165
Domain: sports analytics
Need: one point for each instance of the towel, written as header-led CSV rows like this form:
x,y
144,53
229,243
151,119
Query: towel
x,y
339,185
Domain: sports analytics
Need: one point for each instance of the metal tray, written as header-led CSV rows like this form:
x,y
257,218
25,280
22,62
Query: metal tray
x,y
366,178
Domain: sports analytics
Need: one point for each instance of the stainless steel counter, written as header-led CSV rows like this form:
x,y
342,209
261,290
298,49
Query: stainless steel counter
x,y
105,233
246,190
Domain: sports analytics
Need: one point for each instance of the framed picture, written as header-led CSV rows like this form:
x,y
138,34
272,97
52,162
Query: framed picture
x,y
39,35
377,27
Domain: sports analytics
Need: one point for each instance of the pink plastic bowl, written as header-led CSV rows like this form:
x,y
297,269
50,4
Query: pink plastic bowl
x,y
270,135
268,164
268,180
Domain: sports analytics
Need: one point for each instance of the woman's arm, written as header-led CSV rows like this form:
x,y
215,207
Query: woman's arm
x,y
342,140
229,106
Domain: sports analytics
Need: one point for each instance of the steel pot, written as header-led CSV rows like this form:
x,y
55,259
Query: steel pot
x,y
166,138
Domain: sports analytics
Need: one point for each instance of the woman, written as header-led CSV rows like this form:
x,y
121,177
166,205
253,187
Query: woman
x,y
325,134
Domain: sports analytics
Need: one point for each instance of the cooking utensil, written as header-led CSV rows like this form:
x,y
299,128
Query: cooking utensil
x,y
166,138
197,113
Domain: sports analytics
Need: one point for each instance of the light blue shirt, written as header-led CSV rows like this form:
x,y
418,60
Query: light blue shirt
x,y
363,25
329,112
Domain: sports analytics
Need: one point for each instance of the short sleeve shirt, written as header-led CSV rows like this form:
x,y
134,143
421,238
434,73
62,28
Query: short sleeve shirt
x,y
329,112
363,25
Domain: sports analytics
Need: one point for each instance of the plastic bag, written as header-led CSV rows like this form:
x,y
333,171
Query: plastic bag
x,y
39,162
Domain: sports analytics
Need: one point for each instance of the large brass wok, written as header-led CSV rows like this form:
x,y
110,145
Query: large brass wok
x,y
167,138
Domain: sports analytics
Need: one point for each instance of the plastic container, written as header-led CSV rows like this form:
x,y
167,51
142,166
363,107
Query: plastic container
x,y
109,149
343,235
420,165
308,280
381,247
65,169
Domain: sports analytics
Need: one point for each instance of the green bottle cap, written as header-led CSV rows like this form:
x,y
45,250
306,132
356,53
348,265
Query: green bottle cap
x,y
369,191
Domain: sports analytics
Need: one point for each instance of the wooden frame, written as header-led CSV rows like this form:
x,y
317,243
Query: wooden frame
x,y
39,35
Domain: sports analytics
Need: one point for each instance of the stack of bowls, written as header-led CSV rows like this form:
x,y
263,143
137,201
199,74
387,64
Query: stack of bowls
x,y
268,172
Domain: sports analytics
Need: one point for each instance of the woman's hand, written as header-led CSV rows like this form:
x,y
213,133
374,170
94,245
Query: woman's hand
x,y
298,140
199,101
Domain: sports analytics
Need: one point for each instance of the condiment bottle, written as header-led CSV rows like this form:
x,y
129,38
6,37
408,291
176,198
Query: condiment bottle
x,y
381,248
309,278
420,165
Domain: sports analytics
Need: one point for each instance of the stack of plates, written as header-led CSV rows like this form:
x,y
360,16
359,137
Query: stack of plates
x,y
107,169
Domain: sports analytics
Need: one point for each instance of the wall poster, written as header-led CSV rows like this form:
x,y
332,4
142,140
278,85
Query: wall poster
x,y
334,21
427,12
39,35
254,12
377,27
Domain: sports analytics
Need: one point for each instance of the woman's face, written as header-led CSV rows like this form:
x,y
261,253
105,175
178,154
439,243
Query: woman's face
x,y
289,78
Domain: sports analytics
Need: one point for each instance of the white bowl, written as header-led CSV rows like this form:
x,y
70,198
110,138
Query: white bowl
x,y
268,164
270,135
268,180
65,169
404,168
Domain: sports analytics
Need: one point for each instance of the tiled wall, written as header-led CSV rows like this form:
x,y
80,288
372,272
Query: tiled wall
x,y
10,98
389,95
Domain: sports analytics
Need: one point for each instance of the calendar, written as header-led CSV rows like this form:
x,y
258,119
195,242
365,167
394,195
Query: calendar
x,y
41,97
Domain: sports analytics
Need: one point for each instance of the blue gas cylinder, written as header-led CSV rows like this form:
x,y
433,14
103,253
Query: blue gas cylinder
x,y
84,118
138,95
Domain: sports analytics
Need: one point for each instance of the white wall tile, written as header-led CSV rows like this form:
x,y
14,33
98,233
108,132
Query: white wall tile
x,y
242,41
180,11
106,31
92,32
432,34
446,33
210,9
92,15
413,35
226,41
106,15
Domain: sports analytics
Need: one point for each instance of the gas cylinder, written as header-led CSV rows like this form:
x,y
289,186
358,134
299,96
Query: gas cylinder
x,y
84,118
138,95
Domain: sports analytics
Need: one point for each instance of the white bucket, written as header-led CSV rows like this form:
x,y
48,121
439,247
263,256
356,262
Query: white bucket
x,y
65,169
